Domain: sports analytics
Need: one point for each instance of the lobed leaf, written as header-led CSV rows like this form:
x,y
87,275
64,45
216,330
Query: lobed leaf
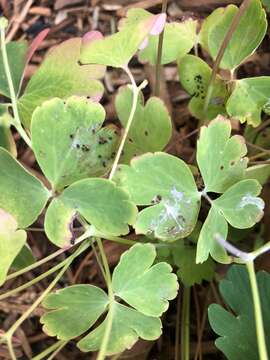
x,y
237,332
11,242
190,273
249,98
21,194
245,39
75,309
116,50
99,201
60,75
194,75
151,127
139,286
220,157
68,140
214,225
178,40
166,185
240,205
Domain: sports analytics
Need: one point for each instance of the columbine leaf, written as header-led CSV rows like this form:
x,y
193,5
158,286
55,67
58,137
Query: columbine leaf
x,y
16,52
220,157
139,286
6,139
237,332
61,76
240,205
21,194
179,39
214,225
99,201
117,50
69,142
74,310
11,242
127,327
245,39
190,273
128,324
260,172
249,98
151,128
166,183
24,258
194,75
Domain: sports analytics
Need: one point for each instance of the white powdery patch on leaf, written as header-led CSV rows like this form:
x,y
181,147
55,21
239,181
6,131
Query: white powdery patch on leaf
x,y
251,200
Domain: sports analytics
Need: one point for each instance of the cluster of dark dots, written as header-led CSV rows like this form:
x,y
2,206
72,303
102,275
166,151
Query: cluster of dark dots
x,y
232,163
85,148
157,199
199,87
102,140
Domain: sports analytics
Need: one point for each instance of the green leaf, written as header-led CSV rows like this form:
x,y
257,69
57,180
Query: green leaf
x,y
237,332
207,24
151,128
166,184
145,287
245,39
220,157
194,75
240,205
260,172
116,50
99,201
249,98
61,76
21,194
16,52
74,310
140,285
24,258
127,327
215,224
6,138
11,242
69,142
189,272
178,40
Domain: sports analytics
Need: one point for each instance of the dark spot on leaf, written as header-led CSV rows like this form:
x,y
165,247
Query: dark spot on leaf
x,y
85,148
102,141
79,63
93,131
146,133
78,146
222,167
99,156
130,140
110,137
104,163
232,163
71,136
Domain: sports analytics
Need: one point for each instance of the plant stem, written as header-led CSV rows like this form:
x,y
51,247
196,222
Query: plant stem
x,y
36,264
16,121
109,318
159,53
185,324
221,51
42,276
263,249
64,343
49,350
136,91
257,311
14,327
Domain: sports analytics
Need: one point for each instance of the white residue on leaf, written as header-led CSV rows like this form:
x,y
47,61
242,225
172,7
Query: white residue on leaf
x,y
171,218
251,200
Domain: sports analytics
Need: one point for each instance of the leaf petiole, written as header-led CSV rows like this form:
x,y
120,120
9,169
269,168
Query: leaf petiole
x,y
16,121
